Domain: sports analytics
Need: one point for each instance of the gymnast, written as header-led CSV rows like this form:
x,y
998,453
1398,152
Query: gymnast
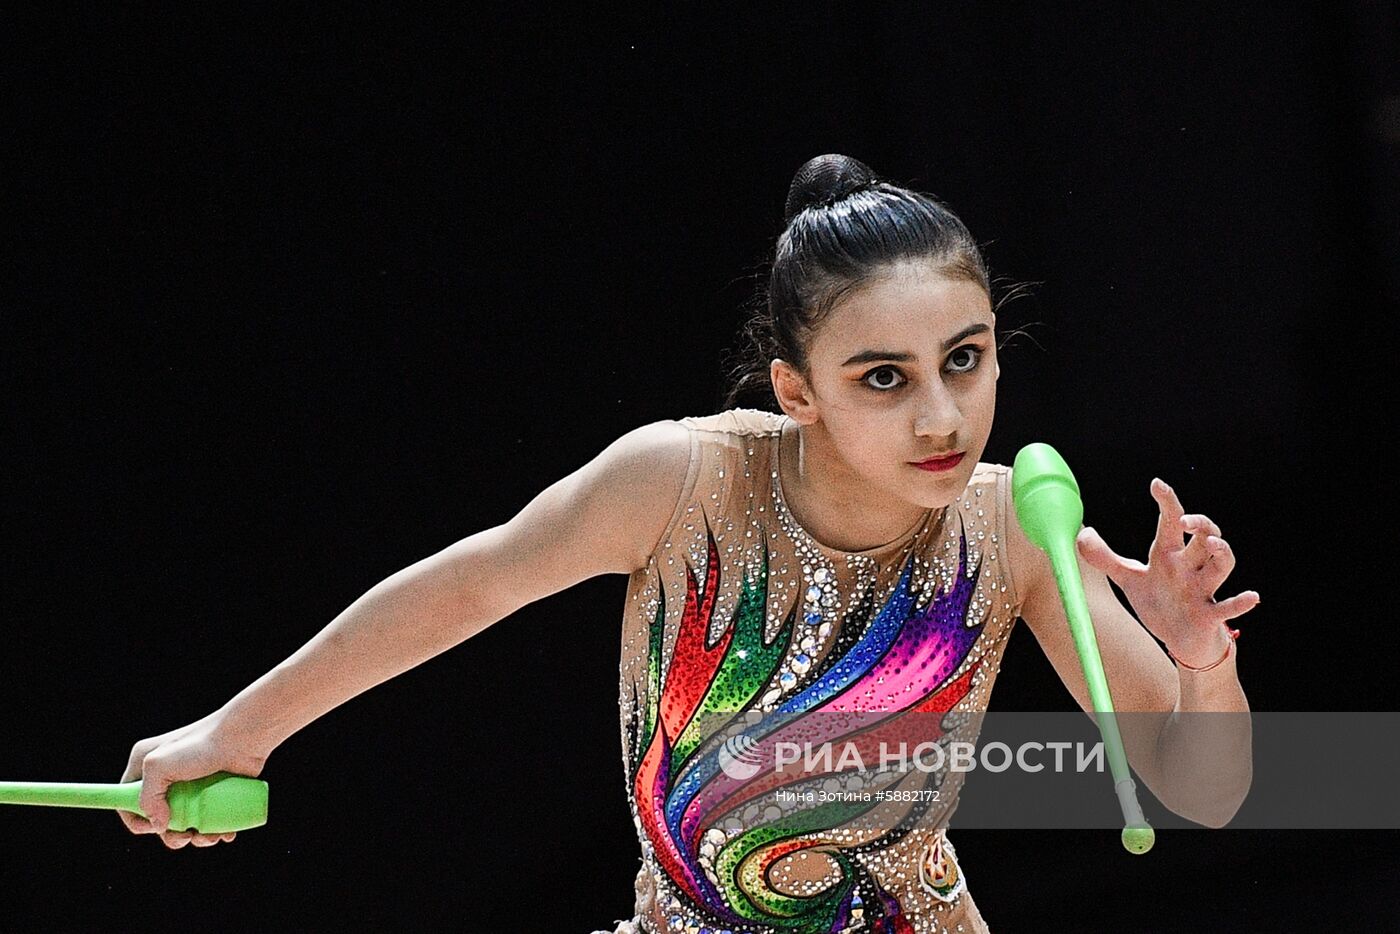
x,y
841,550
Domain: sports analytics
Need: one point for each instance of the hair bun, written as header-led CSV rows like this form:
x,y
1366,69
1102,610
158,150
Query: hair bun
x,y
826,180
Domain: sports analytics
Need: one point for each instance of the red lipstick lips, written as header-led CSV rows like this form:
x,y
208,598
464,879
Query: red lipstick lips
x,y
947,462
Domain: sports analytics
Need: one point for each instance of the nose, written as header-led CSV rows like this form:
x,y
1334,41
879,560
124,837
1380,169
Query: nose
x,y
937,414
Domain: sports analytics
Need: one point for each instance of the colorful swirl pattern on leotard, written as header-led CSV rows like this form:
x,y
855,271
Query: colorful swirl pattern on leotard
x,y
896,658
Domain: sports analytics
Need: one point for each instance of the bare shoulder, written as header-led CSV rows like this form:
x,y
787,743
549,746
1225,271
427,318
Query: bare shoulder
x,y
606,517
651,461
617,506
640,478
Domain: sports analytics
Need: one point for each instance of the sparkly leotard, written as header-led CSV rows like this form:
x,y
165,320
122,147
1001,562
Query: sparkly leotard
x,y
741,621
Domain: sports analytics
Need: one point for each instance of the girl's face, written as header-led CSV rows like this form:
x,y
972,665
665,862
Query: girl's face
x,y
903,370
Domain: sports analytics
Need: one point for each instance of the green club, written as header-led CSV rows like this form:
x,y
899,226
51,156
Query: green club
x,y
1050,511
218,803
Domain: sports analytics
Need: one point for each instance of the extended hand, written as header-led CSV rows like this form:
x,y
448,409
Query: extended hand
x,y
1173,594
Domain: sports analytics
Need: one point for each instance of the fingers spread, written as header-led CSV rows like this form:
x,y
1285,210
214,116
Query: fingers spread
x,y
1096,551
1169,536
1196,522
1200,548
1196,553
1218,564
1237,605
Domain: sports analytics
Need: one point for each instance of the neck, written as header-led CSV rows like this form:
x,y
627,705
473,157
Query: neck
x,y
834,505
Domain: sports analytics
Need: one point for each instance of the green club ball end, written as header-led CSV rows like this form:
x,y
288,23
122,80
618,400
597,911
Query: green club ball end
x,y
1138,838
218,803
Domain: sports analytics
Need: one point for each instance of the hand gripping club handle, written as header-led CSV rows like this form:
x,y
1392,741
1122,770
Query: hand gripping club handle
x,y
1046,498
218,803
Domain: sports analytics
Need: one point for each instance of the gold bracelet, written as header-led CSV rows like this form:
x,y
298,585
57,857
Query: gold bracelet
x,y
1232,633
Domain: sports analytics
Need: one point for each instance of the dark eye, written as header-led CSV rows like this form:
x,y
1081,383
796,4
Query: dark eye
x,y
879,378
970,355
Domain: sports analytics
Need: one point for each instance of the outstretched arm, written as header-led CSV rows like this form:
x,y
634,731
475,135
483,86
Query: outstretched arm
x,y
605,517
1200,766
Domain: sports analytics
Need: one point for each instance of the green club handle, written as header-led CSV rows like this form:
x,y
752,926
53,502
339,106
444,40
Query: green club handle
x,y
218,803
1046,498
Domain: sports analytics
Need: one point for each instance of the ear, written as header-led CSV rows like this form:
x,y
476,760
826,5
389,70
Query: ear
x,y
792,392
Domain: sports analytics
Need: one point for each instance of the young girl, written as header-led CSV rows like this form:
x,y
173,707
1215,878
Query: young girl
x,y
844,554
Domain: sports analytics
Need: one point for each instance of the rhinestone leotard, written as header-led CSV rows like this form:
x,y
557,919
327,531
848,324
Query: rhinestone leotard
x,y
740,616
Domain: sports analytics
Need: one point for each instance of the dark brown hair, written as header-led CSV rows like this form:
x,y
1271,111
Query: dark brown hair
x,y
844,227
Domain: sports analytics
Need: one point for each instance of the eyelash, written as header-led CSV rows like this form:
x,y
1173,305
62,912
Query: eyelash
x,y
975,351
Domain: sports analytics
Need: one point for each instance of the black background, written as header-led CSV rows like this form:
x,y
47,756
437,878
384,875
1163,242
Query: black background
x,y
300,302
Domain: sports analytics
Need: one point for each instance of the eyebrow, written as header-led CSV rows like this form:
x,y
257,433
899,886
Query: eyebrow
x,y
867,356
